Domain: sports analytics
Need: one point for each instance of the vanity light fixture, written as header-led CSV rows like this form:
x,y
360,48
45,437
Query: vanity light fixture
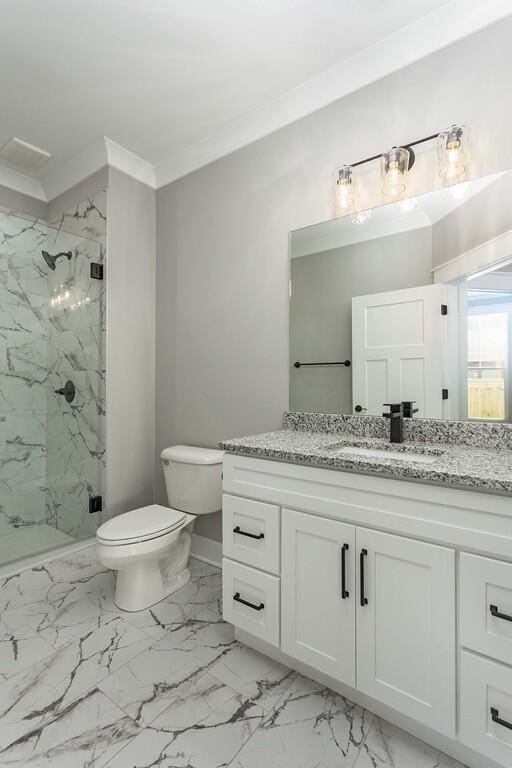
x,y
453,152
396,163
345,194
394,168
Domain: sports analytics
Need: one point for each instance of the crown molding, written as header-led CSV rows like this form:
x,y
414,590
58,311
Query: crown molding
x,y
444,26
126,161
19,182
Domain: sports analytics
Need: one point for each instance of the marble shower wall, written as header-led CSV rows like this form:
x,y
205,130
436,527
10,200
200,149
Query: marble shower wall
x,y
23,372
76,351
52,327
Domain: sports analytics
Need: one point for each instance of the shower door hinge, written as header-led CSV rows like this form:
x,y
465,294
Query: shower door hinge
x,y
95,504
96,270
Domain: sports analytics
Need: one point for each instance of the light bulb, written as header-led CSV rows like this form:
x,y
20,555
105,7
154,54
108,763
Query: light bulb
x,y
395,166
345,198
453,152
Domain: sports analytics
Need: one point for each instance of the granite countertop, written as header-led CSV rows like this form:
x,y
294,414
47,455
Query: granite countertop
x,y
468,467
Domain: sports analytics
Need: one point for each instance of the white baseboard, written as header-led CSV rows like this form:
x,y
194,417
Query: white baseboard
x,y
207,550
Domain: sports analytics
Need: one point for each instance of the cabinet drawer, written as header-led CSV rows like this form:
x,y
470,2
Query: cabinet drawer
x,y
251,532
486,606
251,600
486,707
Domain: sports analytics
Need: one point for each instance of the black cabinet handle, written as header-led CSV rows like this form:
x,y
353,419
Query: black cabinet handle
x,y
497,615
238,530
495,716
239,599
362,555
344,592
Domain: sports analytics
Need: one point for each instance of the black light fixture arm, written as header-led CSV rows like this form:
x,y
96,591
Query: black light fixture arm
x,y
405,146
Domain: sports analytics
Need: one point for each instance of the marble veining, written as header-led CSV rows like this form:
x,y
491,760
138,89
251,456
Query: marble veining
x,y
168,687
52,328
316,439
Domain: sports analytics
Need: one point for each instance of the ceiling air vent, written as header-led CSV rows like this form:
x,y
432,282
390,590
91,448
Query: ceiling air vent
x,y
24,155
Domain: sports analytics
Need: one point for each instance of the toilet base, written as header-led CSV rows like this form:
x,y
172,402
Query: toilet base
x,y
141,587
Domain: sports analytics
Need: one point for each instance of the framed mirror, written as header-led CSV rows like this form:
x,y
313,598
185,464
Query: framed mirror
x,y
408,301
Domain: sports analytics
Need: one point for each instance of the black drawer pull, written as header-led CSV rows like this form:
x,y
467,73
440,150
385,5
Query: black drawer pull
x,y
362,555
495,716
344,591
238,530
497,615
239,599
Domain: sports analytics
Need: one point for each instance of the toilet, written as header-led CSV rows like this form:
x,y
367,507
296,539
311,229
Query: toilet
x,y
149,547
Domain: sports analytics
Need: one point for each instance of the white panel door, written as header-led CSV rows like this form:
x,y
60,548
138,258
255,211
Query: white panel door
x,y
318,593
399,341
406,626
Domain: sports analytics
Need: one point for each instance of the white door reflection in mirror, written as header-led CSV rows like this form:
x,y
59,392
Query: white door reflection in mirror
x,y
400,349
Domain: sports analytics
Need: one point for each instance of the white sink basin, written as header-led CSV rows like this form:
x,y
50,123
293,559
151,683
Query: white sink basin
x,y
376,453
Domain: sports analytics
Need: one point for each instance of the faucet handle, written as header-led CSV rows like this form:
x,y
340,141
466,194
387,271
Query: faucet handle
x,y
408,408
393,408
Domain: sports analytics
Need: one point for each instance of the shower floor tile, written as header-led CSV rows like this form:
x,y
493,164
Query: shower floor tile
x,y
24,542
91,686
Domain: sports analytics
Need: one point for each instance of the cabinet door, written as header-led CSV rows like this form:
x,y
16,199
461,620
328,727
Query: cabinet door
x,y
318,593
406,626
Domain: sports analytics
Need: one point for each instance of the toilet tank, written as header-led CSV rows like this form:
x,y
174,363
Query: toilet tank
x,y
193,478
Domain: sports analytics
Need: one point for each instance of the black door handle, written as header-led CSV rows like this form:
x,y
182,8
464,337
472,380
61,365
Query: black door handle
x,y
344,592
238,530
495,717
497,615
359,408
239,599
362,555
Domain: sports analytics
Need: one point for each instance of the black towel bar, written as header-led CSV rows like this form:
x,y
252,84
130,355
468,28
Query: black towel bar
x,y
346,363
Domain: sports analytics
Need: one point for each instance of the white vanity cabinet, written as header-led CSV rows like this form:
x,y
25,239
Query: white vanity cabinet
x,y
406,626
318,593
354,582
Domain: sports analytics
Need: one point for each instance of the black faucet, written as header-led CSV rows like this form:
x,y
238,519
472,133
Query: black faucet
x,y
396,422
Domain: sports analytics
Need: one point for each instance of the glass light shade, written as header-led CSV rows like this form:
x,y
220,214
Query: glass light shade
x,y
345,190
453,152
394,168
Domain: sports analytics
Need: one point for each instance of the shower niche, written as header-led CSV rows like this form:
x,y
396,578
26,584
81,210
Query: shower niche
x,y
52,378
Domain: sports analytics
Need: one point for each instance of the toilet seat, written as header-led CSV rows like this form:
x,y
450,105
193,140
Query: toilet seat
x,y
139,525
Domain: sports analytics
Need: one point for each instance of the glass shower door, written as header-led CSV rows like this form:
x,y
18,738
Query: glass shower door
x,y
51,386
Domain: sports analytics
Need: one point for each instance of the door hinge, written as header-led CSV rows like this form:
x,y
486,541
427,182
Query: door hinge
x,y
95,504
444,309
445,394
96,270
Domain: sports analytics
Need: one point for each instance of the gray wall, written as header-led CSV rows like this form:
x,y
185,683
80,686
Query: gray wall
x,y
322,287
222,261
130,343
481,218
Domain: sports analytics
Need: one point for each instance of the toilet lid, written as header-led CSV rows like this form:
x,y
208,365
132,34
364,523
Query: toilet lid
x,y
140,524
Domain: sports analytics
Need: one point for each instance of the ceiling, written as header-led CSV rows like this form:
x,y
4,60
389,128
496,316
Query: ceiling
x,y
166,78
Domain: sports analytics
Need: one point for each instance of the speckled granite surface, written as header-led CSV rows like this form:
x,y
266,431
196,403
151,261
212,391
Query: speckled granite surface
x,y
483,463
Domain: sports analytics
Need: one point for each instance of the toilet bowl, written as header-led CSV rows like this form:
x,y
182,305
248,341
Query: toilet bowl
x,y
149,547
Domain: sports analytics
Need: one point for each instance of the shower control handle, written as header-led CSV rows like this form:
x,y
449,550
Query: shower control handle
x,y
68,391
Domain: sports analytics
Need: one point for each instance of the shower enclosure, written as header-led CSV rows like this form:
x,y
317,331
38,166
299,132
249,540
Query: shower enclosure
x,y
52,392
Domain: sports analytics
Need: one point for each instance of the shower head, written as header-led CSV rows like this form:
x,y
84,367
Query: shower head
x,y
51,260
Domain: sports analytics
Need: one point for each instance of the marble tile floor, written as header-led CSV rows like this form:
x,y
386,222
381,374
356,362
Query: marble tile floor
x,y
85,685
16,543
